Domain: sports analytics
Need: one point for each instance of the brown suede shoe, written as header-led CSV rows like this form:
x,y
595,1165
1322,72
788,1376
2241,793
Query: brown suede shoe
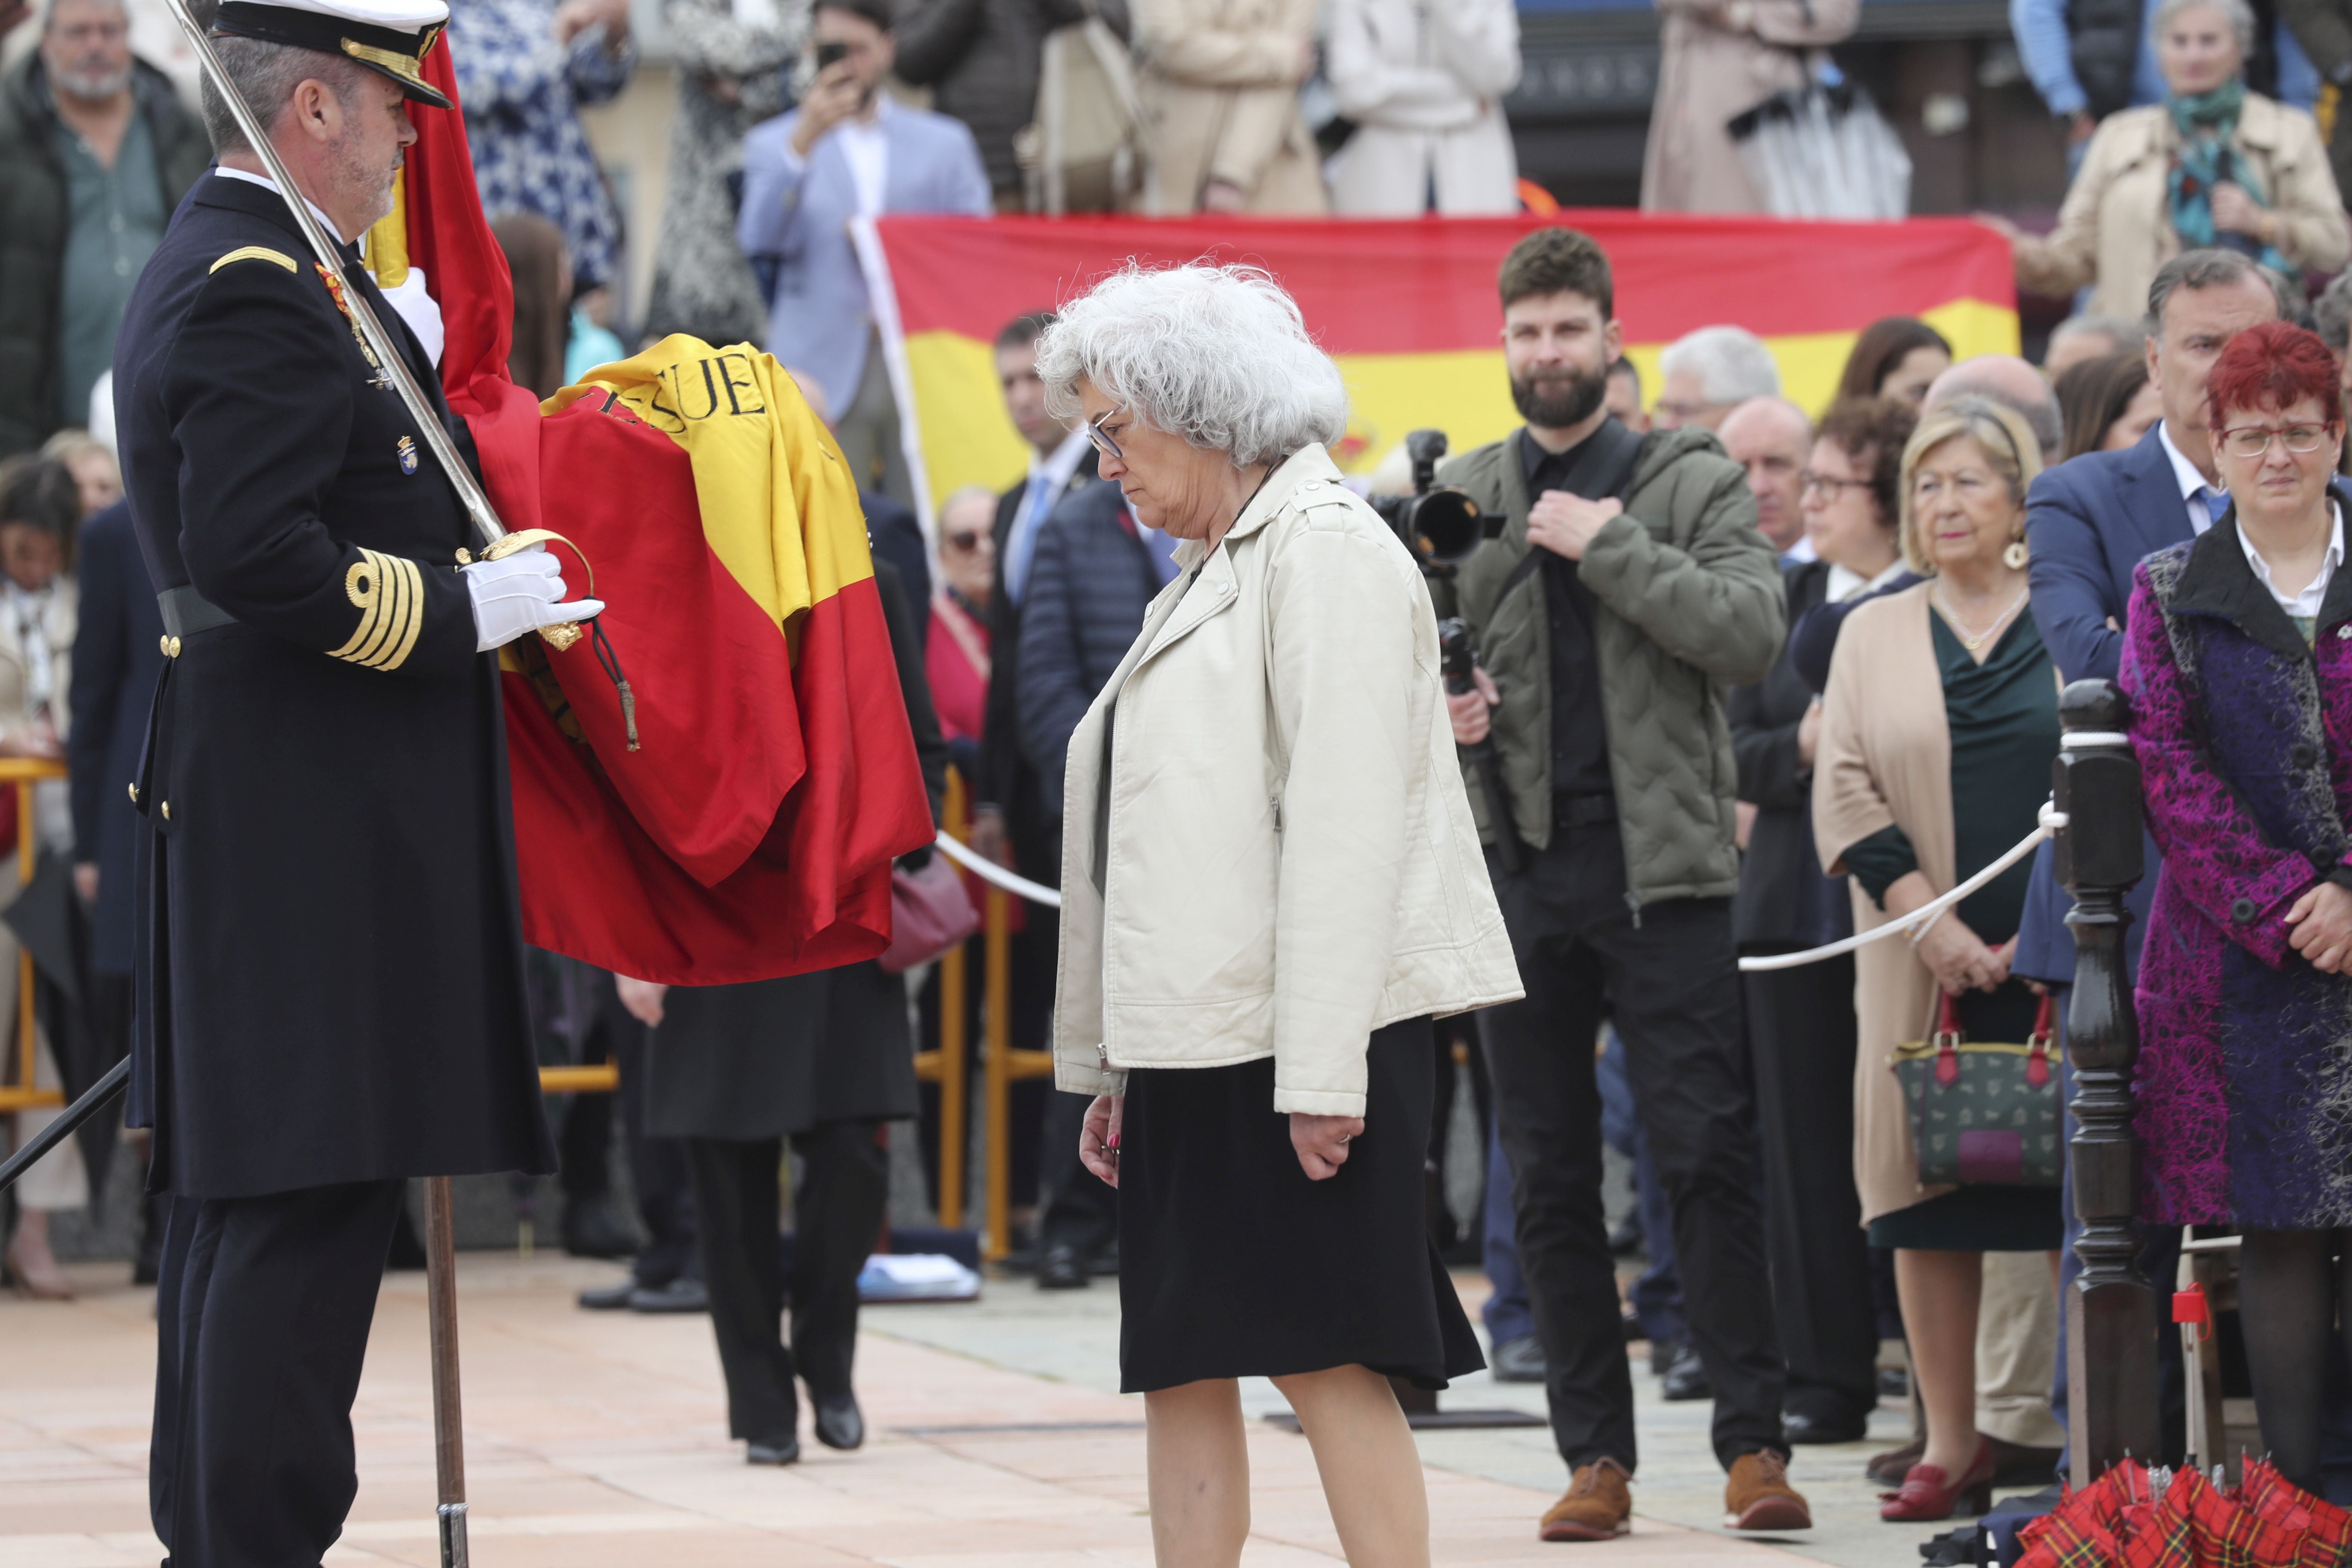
x,y
1759,1496
1889,1468
1595,1507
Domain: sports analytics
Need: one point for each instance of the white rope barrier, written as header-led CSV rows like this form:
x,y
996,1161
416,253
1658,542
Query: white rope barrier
x,y
988,870
2050,821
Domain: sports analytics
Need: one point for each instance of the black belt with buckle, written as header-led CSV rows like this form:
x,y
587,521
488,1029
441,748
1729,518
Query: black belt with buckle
x,y
187,612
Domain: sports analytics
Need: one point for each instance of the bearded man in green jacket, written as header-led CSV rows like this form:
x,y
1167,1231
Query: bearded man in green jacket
x,y
1629,587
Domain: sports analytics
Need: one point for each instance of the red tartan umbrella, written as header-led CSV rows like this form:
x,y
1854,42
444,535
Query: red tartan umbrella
x,y
2133,1518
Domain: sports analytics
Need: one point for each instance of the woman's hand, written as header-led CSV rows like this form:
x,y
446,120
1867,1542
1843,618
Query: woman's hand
x,y
1223,196
2235,212
643,999
1321,1142
1958,957
2321,927
1098,1137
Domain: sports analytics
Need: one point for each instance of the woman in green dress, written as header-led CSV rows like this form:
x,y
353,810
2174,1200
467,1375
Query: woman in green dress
x,y
1912,794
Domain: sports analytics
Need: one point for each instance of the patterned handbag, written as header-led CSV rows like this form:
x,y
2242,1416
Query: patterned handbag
x,y
1982,1114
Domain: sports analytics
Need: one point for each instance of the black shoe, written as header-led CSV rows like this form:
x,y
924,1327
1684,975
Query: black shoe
x,y
1626,1240
610,1298
681,1295
1683,1377
1518,1361
1802,1426
1105,1264
594,1227
1064,1267
784,1450
839,1423
1893,1383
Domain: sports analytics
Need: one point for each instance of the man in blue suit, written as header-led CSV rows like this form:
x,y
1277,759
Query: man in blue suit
x,y
2088,524
848,153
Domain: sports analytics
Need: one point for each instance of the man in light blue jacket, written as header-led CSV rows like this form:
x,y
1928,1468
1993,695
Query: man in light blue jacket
x,y
847,152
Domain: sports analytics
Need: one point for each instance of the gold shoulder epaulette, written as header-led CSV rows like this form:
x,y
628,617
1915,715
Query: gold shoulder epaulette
x,y
254,253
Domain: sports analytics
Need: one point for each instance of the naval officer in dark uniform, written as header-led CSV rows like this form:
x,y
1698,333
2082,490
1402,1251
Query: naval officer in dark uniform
x,y
329,992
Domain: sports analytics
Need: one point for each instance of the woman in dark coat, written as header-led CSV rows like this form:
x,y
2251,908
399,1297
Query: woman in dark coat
x,y
822,1059
2238,660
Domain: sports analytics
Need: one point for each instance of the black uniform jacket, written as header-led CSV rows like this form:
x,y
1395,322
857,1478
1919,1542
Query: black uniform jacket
x,y
328,960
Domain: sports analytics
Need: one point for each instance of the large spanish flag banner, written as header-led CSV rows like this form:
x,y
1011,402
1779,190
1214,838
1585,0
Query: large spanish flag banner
x,y
1409,310
735,815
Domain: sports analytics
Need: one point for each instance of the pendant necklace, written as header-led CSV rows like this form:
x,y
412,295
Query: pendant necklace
x,y
1977,640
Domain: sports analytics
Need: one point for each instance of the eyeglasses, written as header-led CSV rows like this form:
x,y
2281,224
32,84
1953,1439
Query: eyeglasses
x,y
2254,440
1833,488
1101,437
966,540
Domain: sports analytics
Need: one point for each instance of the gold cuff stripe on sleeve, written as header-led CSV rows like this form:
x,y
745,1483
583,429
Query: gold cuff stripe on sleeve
x,y
389,592
253,253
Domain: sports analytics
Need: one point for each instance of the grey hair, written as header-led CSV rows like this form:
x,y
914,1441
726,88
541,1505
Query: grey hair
x,y
2331,314
1731,363
2212,268
1219,355
966,492
265,76
2127,336
2241,17
49,11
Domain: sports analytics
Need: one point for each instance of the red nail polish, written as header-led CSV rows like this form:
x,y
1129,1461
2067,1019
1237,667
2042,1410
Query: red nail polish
x,y
1114,1142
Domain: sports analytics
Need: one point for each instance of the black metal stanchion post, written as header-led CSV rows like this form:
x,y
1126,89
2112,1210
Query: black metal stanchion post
x,y
2111,1316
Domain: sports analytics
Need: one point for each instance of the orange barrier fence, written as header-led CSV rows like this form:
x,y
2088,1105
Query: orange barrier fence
x,y
19,1092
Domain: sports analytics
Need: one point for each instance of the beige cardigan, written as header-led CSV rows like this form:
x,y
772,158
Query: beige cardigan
x,y
2114,232
1886,757
1219,81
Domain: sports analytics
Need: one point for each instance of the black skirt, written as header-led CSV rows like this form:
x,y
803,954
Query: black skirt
x,y
1232,1264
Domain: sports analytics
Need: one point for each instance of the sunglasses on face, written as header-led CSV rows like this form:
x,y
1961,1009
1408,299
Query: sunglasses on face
x,y
965,541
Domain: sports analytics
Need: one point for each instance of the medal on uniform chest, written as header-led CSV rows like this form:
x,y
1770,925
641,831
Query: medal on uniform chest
x,y
382,379
405,449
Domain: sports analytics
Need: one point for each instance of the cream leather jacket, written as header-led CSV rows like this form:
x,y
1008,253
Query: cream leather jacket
x,y
1281,858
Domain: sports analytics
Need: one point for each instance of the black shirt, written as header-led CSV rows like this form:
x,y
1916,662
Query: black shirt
x,y
1579,737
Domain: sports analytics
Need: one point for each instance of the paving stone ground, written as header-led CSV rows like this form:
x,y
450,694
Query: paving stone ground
x,y
998,1441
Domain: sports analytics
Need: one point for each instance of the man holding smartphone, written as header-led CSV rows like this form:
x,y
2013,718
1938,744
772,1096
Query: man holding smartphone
x,y
849,152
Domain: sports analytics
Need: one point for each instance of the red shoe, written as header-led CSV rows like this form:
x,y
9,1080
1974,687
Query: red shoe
x,y
1925,1496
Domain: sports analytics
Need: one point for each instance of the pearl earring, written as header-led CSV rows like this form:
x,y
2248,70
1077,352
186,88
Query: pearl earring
x,y
2014,557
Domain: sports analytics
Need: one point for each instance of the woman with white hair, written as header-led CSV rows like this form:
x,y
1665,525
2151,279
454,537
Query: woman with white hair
x,y
2213,165
1270,884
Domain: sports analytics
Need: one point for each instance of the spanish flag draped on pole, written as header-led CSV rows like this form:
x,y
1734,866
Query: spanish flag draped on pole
x,y
1409,310
737,820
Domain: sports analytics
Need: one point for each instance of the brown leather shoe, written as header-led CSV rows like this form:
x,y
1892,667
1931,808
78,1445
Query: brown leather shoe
x,y
1889,1468
1759,1496
1596,1506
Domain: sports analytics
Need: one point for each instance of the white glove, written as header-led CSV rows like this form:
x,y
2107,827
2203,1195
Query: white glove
x,y
521,592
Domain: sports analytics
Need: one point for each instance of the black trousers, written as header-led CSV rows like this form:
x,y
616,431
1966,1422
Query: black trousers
x,y
261,1324
1801,1035
659,1176
837,1212
1672,983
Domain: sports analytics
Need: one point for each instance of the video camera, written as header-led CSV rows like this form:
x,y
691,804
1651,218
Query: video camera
x,y
1439,523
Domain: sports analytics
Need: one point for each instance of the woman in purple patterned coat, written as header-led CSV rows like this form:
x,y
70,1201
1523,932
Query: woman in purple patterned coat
x,y
2239,663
